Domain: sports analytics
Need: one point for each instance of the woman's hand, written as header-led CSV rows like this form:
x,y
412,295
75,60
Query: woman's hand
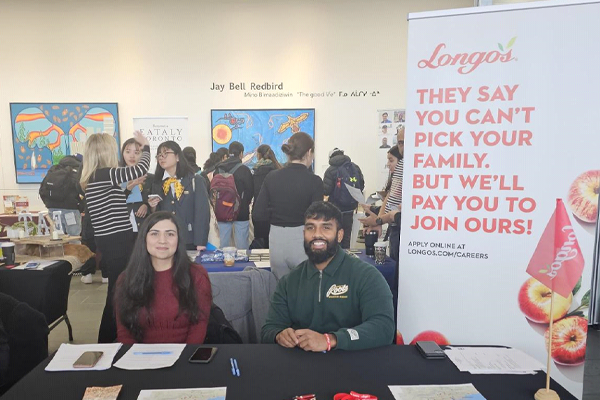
x,y
135,182
153,201
142,211
137,135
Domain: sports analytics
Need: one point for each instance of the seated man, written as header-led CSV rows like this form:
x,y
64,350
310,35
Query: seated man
x,y
332,300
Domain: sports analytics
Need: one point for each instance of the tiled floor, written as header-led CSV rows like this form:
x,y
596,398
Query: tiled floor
x,y
86,302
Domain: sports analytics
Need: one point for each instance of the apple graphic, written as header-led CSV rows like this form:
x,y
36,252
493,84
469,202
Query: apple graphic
x,y
534,302
568,340
399,338
431,336
583,196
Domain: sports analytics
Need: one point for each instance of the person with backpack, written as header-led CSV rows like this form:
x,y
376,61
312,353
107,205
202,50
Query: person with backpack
x,y
231,192
343,171
284,198
60,191
267,162
178,190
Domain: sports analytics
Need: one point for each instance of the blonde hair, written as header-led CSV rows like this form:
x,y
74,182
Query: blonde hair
x,y
100,152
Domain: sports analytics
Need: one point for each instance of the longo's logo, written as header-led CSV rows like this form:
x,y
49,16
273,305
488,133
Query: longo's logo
x,y
468,62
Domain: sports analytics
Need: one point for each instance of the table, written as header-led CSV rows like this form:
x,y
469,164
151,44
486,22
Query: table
x,y
46,291
269,371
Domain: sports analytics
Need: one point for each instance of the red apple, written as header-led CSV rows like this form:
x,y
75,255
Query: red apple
x,y
431,336
399,338
534,302
568,340
583,196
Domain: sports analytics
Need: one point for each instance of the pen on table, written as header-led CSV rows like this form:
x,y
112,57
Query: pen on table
x,y
237,370
146,353
232,367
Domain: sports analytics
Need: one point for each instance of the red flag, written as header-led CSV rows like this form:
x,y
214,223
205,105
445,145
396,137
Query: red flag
x,y
557,261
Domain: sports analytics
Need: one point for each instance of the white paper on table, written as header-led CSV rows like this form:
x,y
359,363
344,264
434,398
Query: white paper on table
x,y
43,264
438,392
216,393
67,354
262,264
492,360
150,356
259,251
356,194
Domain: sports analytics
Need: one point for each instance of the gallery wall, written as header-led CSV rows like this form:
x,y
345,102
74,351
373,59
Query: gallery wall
x,y
161,58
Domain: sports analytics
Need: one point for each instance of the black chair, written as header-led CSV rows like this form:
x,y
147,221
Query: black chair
x,y
27,335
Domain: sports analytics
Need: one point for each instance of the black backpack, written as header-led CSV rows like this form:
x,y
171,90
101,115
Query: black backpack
x,y
59,184
348,173
219,330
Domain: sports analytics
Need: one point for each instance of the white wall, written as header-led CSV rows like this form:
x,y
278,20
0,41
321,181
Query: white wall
x,y
160,58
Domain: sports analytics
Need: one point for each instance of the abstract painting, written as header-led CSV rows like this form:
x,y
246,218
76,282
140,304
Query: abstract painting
x,y
44,133
255,127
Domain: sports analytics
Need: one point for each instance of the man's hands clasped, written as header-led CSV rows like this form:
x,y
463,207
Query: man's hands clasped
x,y
306,339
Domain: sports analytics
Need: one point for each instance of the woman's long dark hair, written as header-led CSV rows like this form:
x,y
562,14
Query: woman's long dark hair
x,y
136,286
215,158
396,153
183,167
266,152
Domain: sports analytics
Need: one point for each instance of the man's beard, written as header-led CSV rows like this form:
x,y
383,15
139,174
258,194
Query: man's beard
x,y
319,256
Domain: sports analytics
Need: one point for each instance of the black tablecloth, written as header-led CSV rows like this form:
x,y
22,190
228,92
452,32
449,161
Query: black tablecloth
x,y
272,372
46,291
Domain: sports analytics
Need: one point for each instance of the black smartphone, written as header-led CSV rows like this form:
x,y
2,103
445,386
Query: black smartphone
x,y
430,349
203,355
88,359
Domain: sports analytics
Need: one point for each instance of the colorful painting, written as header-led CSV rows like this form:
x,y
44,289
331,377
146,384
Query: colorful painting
x,y
43,133
255,127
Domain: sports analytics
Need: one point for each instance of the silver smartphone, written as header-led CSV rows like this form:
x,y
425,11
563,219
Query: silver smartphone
x,y
88,359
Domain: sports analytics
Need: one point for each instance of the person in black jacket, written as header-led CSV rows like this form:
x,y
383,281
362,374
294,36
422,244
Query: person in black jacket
x,y
182,193
190,155
267,162
284,198
244,184
337,158
69,203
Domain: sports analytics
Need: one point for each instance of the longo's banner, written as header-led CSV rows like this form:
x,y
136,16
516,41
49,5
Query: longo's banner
x,y
501,120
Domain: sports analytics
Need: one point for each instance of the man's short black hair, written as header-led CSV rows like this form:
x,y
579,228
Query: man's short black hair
x,y
324,210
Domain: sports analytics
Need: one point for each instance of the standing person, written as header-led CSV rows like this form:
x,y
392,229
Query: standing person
x,y
181,193
244,185
284,198
343,171
267,162
209,166
190,155
101,179
162,297
60,191
137,190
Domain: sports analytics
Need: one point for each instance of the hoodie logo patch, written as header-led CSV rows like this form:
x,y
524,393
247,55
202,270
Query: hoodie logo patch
x,y
336,292
353,334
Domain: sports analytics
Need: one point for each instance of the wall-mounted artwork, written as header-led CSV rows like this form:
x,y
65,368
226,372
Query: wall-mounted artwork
x,y
255,127
43,133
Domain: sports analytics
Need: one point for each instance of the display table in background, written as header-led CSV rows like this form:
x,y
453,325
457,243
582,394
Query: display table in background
x,y
46,291
270,371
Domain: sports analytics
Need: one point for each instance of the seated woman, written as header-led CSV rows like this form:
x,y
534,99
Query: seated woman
x,y
162,297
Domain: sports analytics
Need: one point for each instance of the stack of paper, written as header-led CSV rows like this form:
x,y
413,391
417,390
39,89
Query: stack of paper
x,y
439,392
259,255
150,356
67,354
493,360
217,393
41,265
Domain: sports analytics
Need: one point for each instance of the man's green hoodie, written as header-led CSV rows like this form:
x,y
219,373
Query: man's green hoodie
x,y
349,298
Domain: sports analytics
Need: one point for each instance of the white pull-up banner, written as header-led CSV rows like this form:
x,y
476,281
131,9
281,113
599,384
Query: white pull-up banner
x,y
502,119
